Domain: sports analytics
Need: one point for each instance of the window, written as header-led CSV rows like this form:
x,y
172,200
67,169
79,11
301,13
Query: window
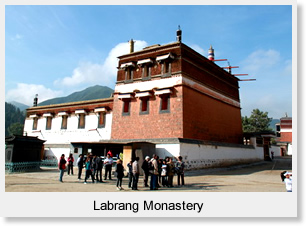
x,y
35,122
165,103
101,120
145,64
166,67
64,122
81,124
165,61
126,107
144,105
146,71
49,123
128,74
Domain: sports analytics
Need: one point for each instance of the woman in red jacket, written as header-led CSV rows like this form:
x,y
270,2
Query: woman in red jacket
x,y
62,167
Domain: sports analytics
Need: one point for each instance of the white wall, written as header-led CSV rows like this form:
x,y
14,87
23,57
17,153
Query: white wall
x,y
164,150
72,134
205,156
289,151
276,150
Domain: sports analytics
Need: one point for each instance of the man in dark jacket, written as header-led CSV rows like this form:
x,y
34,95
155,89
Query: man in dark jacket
x,y
99,166
146,167
80,163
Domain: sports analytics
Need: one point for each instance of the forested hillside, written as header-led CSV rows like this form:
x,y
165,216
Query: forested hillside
x,y
14,120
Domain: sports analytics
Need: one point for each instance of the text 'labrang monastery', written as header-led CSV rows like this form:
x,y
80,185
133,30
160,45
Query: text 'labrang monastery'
x,y
168,99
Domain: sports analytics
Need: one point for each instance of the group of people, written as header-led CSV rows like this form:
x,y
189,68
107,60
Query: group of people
x,y
93,165
160,171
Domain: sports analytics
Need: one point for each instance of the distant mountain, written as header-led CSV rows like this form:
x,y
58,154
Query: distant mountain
x,y
21,106
91,93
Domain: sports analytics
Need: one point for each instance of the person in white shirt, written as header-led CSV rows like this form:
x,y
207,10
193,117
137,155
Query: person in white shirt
x,y
288,181
108,162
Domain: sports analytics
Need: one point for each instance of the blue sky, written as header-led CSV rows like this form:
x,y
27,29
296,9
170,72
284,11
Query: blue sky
x,y
53,51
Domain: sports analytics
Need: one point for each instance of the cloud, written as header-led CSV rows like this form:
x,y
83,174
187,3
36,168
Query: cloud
x,y
25,93
17,37
261,60
88,73
198,49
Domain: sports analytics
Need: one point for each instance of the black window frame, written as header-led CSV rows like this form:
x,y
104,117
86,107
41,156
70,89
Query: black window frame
x,y
162,108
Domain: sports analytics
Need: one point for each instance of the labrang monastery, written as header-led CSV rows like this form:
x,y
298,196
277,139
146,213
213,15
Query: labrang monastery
x,y
168,100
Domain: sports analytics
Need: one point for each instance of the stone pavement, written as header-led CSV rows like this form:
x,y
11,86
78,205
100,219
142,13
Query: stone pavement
x,y
257,177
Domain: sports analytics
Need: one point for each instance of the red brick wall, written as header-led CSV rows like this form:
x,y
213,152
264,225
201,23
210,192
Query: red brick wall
x,y
286,137
149,53
152,125
206,118
208,73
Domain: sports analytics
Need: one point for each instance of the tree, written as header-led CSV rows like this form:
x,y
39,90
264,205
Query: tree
x,y
16,129
257,122
13,115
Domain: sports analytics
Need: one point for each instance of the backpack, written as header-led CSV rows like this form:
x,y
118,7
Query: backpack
x,y
151,167
180,167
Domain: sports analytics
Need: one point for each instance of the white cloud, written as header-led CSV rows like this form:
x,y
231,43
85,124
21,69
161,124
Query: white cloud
x,y
198,49
261,60
287,68
25,93
88,73
17,37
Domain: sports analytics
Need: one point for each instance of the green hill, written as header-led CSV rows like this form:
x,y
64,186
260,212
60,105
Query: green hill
x,y
91,93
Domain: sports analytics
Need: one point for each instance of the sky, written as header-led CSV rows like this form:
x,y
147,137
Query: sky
x,y
54,51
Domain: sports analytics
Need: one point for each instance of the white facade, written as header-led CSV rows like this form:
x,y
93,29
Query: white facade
x,y
58,140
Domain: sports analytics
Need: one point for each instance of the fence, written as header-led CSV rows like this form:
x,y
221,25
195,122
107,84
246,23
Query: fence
x,y
17,167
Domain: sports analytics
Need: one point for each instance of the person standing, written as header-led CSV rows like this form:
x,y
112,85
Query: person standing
x,y
88,167
135,168
108,162
120,174
288,181
99,166
145,167
154,175
130,173
180,166
70,164
94,166
80,163
159,164
171,171
164,174
62,167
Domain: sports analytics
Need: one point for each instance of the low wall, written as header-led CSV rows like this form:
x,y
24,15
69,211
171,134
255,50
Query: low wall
x,y
197,156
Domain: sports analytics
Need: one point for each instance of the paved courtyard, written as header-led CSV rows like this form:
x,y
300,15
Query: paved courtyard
x,y
258,177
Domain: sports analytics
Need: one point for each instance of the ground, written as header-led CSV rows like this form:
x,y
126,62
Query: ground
x,y
257,177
